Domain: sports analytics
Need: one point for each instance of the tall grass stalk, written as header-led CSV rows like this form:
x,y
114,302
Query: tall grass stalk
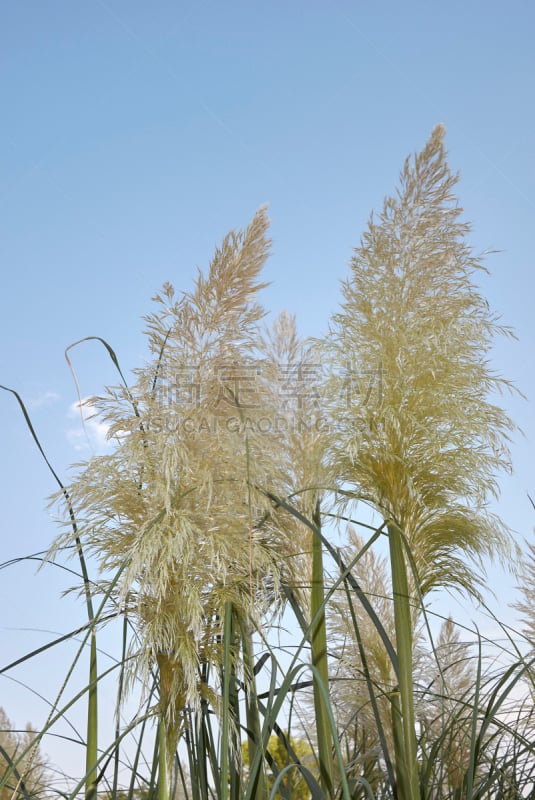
x,y
318,646
403,714
226,714
163,772
254,728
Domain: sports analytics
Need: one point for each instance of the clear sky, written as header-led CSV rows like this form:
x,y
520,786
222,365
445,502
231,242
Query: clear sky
x,y
134,135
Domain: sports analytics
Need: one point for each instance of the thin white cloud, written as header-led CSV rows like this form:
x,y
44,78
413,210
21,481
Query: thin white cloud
x,y
46,398
91,433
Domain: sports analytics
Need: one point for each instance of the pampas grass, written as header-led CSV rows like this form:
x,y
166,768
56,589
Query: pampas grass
x,y
206,532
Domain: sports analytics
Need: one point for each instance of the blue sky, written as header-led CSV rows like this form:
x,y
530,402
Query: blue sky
x,y
136,134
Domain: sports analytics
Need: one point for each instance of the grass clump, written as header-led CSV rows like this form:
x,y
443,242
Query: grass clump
x,y
208,526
